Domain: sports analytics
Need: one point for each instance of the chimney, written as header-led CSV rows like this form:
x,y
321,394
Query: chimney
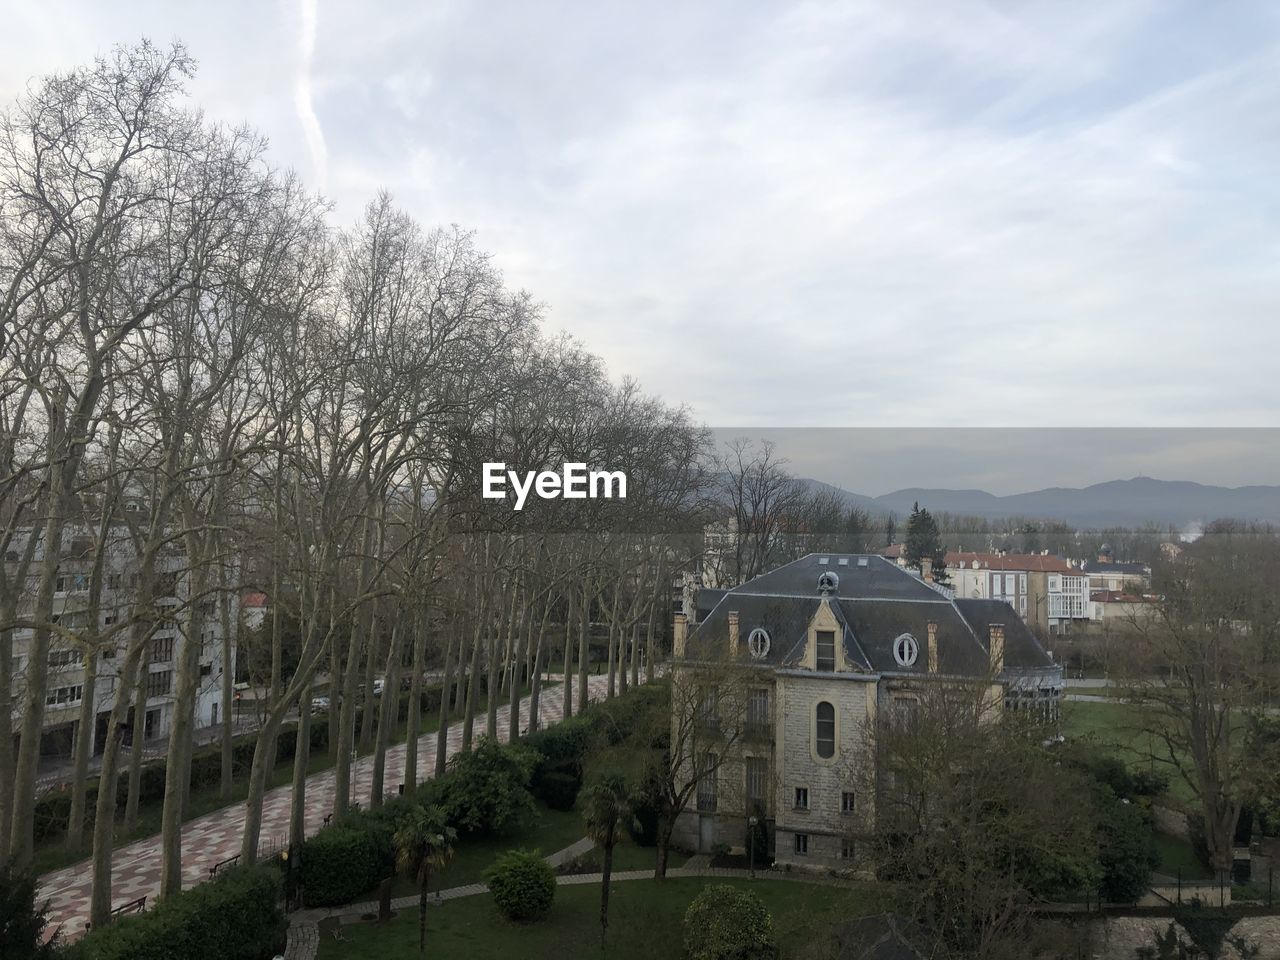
x,y
926,569
733,633
996,648
679,636
933,646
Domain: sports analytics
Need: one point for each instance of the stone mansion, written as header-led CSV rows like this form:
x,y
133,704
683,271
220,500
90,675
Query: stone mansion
x,y
820,648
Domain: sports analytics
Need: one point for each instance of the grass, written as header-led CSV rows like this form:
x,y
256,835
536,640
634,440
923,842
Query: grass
x,y
1177,856
1117,729
645,920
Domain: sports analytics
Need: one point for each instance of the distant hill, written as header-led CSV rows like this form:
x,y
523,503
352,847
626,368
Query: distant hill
x,y
1116,503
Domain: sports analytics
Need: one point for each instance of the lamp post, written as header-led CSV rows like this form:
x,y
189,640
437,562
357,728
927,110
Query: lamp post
x,y
751,845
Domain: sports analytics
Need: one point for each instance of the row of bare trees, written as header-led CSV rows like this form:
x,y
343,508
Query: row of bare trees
x,y
206,388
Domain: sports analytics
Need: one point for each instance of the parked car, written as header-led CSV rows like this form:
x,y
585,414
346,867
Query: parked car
x,y
319,704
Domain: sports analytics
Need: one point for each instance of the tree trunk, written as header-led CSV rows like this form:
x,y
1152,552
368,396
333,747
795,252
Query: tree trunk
x,y
584,649
568,659
301,756
442,729
105,806
228,688
83,746
388,716
369,717
137,735
22,841
605,873
413,721
664,848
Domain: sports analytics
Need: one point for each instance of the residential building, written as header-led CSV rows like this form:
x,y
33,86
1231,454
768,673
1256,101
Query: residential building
x,y
823,647
1106,574
74,640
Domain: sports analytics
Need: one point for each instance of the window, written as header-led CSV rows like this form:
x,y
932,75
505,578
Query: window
x,y
846,848
802,798
1009,581
758,643
109,653
109,619
802,844
824,728
826,651
163,651
1022,582
995,585
63,696
1053,584
757,774
707,783
159,684
759,720
61,586
905,710
65,658
113,581
848,802
1022,605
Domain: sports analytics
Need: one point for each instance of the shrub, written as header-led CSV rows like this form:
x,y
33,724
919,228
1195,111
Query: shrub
x,y
643,827
235,916
559,791
346,860
728,923
523,885
487,789
1126,853
22,920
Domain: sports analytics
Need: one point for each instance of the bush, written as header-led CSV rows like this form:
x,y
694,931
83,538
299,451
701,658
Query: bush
x,y
523,885
1126,853
487,788
559,791
235,916
728,923
346,860
645,813
22,920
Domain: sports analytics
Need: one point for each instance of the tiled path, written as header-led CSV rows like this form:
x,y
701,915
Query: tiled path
x,y
216,836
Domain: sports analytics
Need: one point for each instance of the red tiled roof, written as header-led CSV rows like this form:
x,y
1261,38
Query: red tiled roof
x,y
254,600
1013,561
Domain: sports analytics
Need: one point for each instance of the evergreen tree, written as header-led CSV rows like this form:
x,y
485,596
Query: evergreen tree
x,y
924,540
22,919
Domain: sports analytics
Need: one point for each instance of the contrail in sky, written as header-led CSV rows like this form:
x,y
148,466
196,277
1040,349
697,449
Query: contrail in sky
x,y
302,94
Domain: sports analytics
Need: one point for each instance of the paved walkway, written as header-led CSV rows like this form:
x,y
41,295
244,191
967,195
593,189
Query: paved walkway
x,y
216,836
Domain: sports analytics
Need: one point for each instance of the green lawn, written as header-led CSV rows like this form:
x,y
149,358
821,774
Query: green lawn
x,y
548,831
1177,856
645,921
1116,728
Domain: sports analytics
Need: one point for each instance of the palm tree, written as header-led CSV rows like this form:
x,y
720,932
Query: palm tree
x,y
424,840
606,809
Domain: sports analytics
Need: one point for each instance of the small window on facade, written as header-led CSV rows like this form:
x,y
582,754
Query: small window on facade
x,y
757,777
826,661
848,802
802,798
846,848
802,844
825,730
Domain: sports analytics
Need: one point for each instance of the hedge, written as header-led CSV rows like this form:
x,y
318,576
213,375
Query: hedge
x,y
348,859
235,916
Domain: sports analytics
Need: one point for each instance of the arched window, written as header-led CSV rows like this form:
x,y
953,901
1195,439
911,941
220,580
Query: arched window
x,y
825,730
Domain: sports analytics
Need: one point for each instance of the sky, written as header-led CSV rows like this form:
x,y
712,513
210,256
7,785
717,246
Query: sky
x,y
814,214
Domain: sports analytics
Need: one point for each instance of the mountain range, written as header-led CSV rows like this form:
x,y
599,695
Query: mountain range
x,y
1116,503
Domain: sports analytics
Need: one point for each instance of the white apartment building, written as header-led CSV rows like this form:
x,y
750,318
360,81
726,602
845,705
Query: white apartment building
x,y
66,684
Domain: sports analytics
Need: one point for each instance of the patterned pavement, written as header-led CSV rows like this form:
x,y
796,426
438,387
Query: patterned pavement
x,y
216,836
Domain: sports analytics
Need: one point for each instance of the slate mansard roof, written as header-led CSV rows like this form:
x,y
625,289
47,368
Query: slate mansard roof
x,y
876,601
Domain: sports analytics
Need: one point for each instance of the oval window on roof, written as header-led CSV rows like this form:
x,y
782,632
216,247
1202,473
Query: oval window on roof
x,y
828,582
758,643
905,650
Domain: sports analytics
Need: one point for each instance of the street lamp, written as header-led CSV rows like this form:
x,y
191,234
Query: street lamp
x,y
751,844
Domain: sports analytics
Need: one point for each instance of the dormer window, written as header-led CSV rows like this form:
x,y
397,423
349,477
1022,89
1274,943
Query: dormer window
x,y
826,652
828,582
758,643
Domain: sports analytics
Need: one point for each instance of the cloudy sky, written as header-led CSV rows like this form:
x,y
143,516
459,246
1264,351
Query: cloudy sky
x,y
806,214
